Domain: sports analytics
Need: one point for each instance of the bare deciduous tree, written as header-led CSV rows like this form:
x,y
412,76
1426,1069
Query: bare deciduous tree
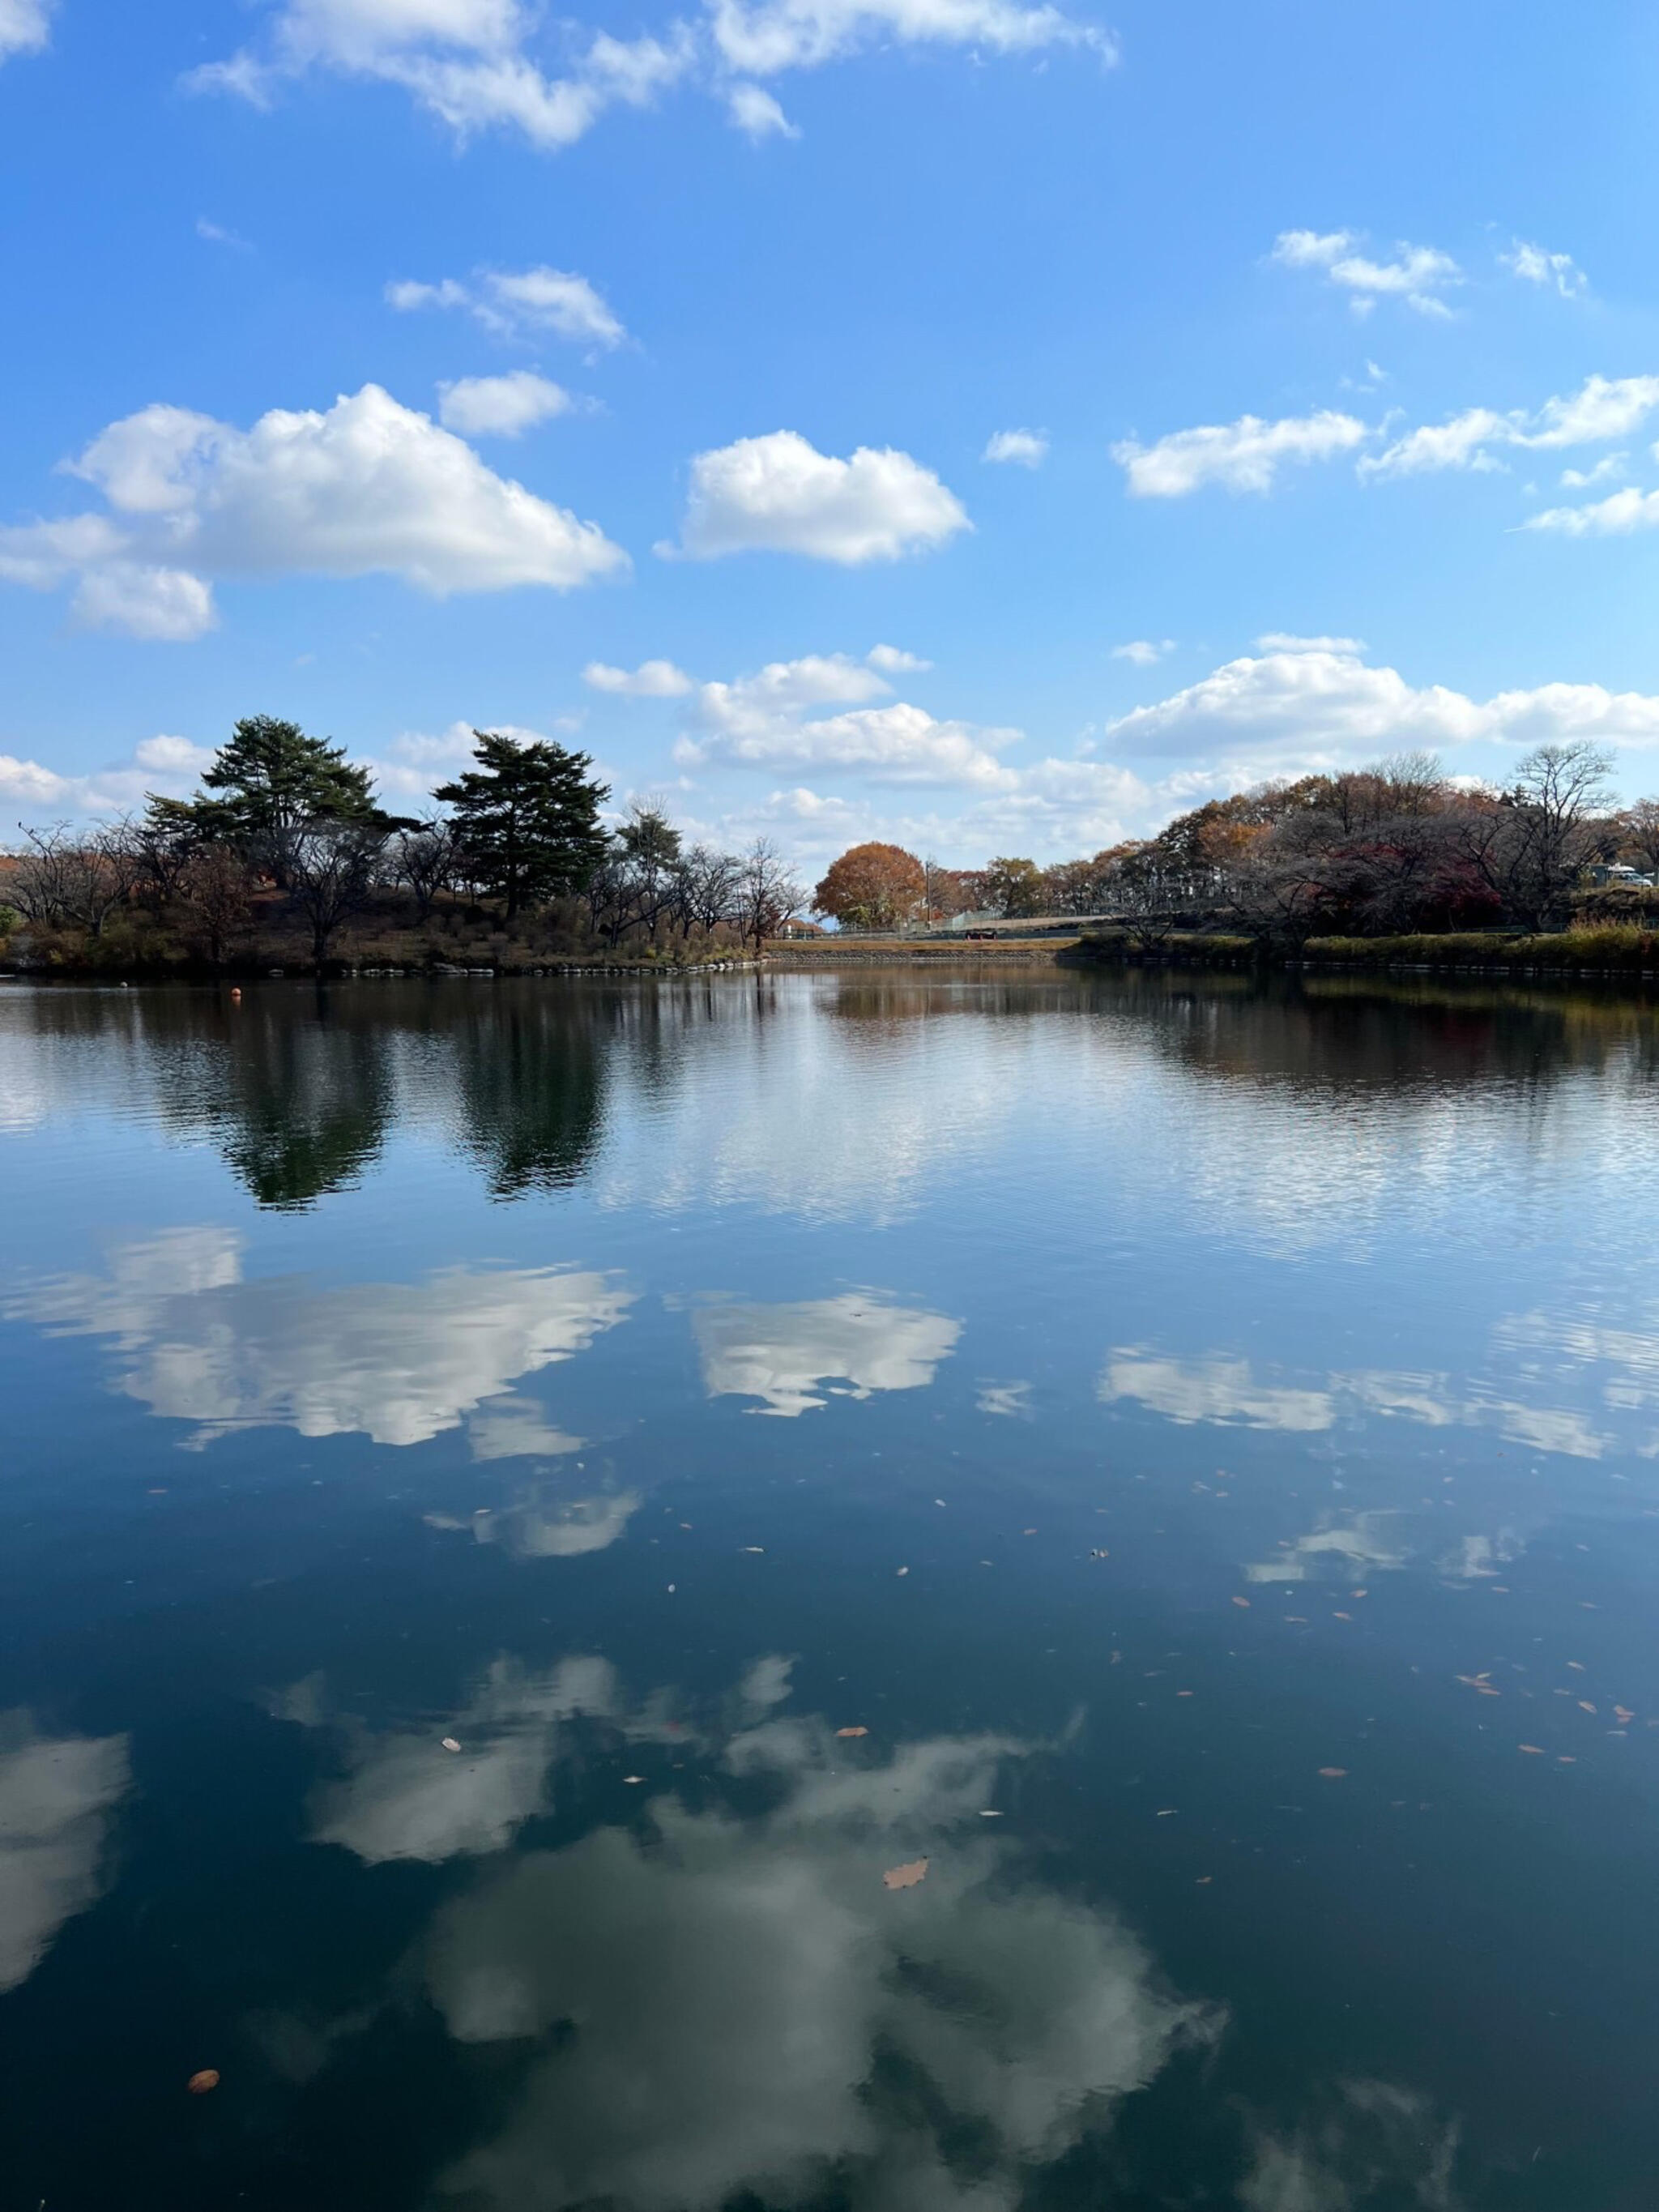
x,y
766,893
215,889
333,868
423,856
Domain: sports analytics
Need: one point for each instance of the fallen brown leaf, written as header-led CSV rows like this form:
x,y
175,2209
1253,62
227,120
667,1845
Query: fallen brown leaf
x,y
853,1731
200,2084
1244,1601
1622,1713
1536,1750
906,1876
1585,1706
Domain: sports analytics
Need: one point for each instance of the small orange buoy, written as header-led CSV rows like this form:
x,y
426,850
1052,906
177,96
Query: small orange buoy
x,y
200,2084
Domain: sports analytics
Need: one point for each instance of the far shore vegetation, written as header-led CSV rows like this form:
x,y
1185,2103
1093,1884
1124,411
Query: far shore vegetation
x,y
287,858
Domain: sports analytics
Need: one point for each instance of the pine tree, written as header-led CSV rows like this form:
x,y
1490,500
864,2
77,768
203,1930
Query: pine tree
x,y
526,820
278,782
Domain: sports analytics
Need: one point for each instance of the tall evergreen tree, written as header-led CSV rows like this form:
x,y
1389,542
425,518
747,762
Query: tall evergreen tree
x,y
276,783
526,820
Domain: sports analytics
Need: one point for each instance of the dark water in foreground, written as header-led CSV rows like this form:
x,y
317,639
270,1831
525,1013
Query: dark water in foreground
x,y
1202,1439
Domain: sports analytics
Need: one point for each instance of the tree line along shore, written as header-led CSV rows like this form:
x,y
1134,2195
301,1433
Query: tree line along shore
x,y
287,857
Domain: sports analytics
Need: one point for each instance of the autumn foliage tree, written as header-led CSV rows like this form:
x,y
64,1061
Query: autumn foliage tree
x,y
872,886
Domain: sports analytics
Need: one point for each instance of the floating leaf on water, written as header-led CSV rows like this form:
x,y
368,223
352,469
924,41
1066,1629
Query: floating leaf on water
x,y
1166,1812
1334,1773
1204,1881
753,1548
1622,1713
200,2083
1243,1601
906,1876
450,1744
853,1731
1565,1759
633,1777
901,1570
1341,1616
989,1813
1183,1693
1577,1665
1027,1532
1533,1750
1585,1706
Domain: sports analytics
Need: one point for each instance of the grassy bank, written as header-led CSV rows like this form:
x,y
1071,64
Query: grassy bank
x,y
454,938
1605,949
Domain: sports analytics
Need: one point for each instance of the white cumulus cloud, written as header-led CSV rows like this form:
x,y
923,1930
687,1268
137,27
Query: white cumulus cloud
x,y
780,34
1535,264
1244,456
143,601
765,720
501,406
513,301
779,493
1419,275
365,487
1029,449
651,679
758,114
1614,517
1608,470
476,65
25,26
464,61
167,764
1318,707
1143,652
1603,408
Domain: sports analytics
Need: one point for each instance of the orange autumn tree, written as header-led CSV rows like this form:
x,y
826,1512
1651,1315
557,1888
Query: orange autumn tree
x,y
871,886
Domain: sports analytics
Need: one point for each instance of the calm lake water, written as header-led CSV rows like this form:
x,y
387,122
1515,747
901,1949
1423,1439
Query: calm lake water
x,y
524,1502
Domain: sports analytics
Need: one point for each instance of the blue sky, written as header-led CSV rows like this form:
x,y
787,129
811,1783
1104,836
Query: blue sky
x,y
405,365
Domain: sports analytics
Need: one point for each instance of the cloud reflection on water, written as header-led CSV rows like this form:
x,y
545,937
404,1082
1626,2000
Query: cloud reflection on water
x,y
58,1797
715,2004
784,1354
1224,1389
397,1362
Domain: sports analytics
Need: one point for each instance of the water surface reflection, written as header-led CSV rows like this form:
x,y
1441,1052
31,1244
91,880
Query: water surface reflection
x,y
520,1504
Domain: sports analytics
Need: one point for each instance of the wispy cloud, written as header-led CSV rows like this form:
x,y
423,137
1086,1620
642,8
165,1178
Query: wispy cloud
x,y
1419,275
1243,456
